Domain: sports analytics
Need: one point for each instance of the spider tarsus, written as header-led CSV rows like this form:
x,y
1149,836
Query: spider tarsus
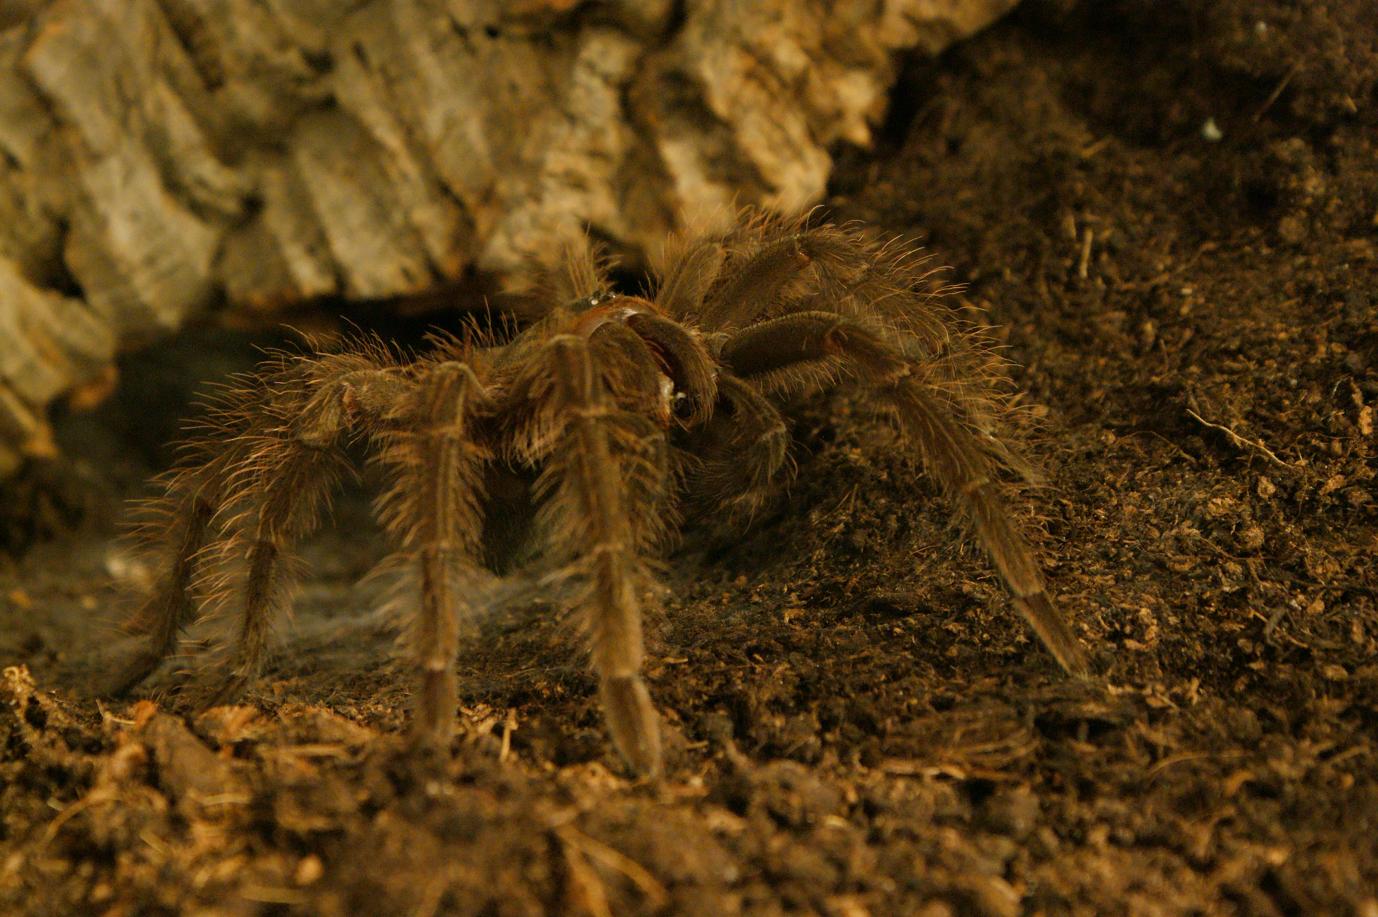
x,y
433,720
632,722
1052,629
260,596
137,667
215,688
436,645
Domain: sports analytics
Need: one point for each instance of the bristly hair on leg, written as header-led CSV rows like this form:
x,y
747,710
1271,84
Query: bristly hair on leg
x,y
257,477
598,474
583,272
771,261
277,494
433,511
773,354
686,269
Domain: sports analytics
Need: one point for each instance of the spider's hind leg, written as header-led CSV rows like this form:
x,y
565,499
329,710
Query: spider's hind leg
x,y
179,524
252,486
799,349
292,462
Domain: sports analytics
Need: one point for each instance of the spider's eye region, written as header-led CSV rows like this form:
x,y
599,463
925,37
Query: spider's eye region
x,y
593,300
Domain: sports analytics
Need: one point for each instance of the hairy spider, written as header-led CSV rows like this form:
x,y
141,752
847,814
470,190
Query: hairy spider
x,y
604,416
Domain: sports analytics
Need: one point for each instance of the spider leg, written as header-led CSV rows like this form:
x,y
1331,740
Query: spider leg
x,y
433,511
603,479
690,267
251,485
278,493
743,449
178,524
775,254
786,353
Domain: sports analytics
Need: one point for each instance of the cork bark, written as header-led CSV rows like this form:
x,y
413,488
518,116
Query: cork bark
x,y
160,158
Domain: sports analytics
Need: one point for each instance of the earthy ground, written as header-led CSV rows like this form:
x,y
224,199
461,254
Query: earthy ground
x,y
1175,214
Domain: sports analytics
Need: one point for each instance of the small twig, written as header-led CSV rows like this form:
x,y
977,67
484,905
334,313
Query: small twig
x,y
508,726
1277,91
94,798
655,893
1171,760
1084,263
1274,620
1239,440
1091,149
431,897
272,894
593,896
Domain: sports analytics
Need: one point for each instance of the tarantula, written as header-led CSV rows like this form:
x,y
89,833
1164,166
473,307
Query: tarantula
x,y
585,430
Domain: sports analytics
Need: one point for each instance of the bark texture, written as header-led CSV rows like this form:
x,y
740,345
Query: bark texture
x,y
160,157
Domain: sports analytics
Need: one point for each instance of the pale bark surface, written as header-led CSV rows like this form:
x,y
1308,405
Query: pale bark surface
x,y
160,157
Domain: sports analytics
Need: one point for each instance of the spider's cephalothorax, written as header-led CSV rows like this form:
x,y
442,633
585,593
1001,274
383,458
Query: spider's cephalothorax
x,y
611,411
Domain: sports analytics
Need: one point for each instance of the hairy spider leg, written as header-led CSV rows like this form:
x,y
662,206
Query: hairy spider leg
x,y
179,524
786,353
254,482
690,267
744,449
433,510
278,493
758,274
603,474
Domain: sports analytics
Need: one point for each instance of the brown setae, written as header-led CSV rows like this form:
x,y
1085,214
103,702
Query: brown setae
x,y
610,416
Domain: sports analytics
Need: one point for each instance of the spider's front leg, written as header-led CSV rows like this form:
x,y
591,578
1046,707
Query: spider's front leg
x,y
601,489
797,350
